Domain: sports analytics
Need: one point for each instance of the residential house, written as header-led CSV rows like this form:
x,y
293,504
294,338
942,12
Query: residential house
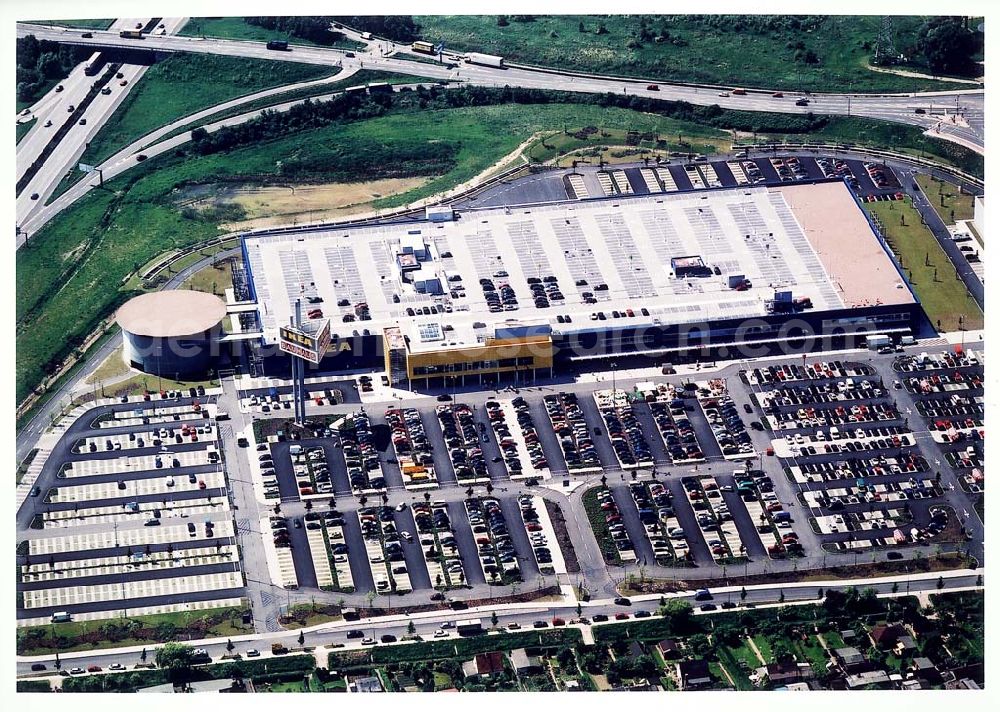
x,y
692,674
365,684
483,665
924,669
905,645
523,663
850,659
870,677
669,649
783,673
884,636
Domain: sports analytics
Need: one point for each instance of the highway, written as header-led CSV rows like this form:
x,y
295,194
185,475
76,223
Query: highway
x,y
891,107
522,614
66,154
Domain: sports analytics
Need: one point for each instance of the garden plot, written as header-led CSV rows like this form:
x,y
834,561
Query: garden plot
x,y
724,419
669,184
519,444
837,415
134,488
645,500
119,592
857,468
819,370
364,470
131,511
137,562
496,548
541,534
652,183
835,440
129,464
412,448
570,427
692,173
667,406
462,439
130,441
135,538
630,446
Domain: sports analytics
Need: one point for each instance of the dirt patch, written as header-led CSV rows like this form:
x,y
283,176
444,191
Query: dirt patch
x,y
562,536
274,205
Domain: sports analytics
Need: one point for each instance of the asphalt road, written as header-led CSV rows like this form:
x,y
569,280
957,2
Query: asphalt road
x,y
524,615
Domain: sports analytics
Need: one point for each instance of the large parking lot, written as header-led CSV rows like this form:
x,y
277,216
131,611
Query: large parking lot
x,y
130,511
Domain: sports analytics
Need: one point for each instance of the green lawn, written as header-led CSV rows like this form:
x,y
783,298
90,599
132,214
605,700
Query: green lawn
x,y
945,198
93,635
185,83
600,527
102,24
234,28
23,128
696,48
943,300
764,647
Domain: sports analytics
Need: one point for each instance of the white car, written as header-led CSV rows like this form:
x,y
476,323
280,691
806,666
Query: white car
x,y
116,666
253,653
440,633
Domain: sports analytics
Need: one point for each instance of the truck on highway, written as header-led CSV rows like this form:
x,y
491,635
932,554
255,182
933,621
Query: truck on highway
x,y
487,60
739,92
130,34
94,64
280,45
422,47
470,626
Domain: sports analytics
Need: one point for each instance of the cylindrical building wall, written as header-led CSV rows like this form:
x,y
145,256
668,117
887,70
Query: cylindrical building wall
x,y
172,334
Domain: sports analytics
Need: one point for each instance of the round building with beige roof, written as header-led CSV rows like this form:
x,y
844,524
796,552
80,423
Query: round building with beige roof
x,y
171,333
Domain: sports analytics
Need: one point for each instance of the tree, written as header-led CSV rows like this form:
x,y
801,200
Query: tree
x,y
679,612
743,593
410,628
581,28
946,45
494,620
579,609
781,597
302,638
940,582
176,658
601,29
502,21
229,646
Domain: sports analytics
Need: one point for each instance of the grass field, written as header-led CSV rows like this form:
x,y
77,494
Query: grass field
x,y
67,637
696,48
101,24
113,367
215,280
943,299
945,198
23,128
234,28
185,83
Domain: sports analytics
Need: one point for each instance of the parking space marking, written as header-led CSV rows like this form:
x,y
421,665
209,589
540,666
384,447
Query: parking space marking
x,y
144,588
135,488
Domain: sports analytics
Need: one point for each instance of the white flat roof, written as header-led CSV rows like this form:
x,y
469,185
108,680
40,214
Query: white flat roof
x,y
624,243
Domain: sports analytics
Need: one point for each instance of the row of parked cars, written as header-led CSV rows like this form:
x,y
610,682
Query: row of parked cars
x,y
780,373
655,507
728,427
493,540
505,439
849,389
570,426
613,520
358,443
312,471
409,440
462,438
626,435
535,531
544,290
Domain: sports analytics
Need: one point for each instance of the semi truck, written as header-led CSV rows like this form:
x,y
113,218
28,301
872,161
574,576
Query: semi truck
x,y
130,34
94,64
487,60
423,47
471,626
